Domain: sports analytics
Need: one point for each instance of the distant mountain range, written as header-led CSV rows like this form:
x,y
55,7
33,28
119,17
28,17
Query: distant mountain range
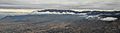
x,y
100,13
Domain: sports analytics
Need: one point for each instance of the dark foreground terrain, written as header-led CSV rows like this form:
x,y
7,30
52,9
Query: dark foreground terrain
x,y
56,24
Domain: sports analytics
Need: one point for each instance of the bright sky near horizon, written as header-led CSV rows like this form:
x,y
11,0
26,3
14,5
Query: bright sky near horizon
x,y
16,10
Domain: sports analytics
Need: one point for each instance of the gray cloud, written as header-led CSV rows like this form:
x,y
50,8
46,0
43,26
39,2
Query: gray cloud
x,y
102,4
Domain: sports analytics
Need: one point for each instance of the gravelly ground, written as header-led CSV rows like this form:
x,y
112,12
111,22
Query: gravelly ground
x,y
56,24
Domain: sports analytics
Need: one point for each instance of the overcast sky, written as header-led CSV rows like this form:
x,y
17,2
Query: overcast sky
x,y
102,4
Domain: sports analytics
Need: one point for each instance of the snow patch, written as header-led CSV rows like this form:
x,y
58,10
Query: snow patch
x,y
109,19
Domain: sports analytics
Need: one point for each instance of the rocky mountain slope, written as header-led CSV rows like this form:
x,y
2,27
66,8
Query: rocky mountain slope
x,y
56,24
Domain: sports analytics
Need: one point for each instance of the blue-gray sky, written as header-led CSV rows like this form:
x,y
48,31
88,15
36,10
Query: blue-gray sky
x,y
102,4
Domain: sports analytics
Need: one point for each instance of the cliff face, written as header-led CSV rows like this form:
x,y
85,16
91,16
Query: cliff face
x,y
56,24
